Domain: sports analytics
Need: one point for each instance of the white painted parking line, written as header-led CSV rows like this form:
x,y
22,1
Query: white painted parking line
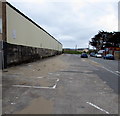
x,y
50,73
40,77
13,103
57,74
98,107
37,87
56,84
58,80
24,86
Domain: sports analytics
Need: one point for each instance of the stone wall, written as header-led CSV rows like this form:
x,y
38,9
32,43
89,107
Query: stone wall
x,y
17,54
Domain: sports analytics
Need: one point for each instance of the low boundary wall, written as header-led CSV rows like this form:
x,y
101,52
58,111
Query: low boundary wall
x,y
18,54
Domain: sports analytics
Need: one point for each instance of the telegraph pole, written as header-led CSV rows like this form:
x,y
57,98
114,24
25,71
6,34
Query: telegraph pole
x,y
75,47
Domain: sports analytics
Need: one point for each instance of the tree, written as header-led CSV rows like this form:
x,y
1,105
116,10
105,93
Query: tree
x,y
105,39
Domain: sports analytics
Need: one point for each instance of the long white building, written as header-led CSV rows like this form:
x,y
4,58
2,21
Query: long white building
x,y
119,16
22,39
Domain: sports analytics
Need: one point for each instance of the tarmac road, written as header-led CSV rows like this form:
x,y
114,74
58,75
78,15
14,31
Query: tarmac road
x,y
112,65
110,72
82,87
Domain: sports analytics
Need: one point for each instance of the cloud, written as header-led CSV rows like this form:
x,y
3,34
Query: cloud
x,y
72,21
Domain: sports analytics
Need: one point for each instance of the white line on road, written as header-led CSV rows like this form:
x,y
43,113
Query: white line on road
x,y
21,86
110,71
50,73
35,87
56,84
83,60
117,72
38,87
93,61
13,103
58,80
98,107
57,74
40,77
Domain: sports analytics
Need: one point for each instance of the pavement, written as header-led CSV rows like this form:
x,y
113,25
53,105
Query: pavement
x,y
68,85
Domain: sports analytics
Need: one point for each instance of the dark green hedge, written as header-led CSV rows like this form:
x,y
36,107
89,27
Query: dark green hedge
x,y
72,52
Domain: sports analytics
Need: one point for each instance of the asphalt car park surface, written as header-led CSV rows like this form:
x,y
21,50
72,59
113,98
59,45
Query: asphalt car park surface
x,y
78,87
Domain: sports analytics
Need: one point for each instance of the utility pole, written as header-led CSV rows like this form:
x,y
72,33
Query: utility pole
x,y
88,46
75,47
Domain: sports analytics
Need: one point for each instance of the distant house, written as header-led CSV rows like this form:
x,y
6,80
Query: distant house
x,y
68,49
83,49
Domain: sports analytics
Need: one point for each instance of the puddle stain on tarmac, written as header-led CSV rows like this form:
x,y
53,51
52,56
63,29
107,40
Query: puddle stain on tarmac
x,y
38,106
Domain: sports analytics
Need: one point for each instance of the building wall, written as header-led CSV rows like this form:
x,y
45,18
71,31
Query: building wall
x,y
119,16
24,40
0,9
0,20
21,31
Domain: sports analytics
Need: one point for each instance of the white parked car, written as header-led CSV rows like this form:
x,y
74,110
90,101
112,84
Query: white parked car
x,y
98,55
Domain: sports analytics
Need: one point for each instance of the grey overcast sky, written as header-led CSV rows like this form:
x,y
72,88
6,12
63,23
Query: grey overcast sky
x,y
72,22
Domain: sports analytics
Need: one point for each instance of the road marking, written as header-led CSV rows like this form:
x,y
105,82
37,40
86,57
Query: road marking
x,y
50,73
95,62
13,103
117,72
40,77
110,71
58,80
57,74
98,107
35,87
107,69
83,60
38,87
56,84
